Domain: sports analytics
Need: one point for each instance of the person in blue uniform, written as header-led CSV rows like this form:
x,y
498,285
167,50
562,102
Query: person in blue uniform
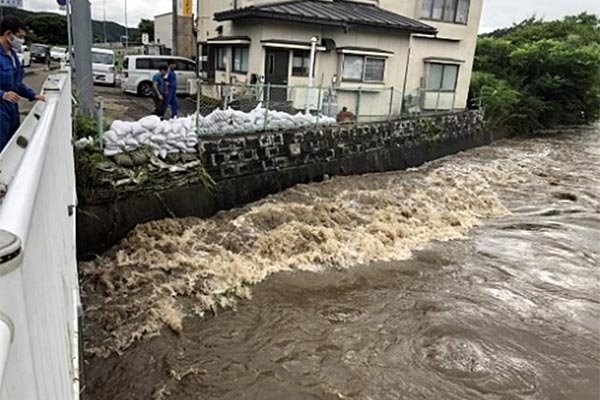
x,y
172,89
12,88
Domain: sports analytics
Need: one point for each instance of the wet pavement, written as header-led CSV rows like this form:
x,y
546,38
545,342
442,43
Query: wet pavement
x,y
473,277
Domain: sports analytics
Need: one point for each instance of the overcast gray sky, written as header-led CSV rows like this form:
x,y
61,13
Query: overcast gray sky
x,y
496,13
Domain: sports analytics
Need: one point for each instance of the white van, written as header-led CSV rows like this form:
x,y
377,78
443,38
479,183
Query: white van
x,y
103,66
24,56
139,70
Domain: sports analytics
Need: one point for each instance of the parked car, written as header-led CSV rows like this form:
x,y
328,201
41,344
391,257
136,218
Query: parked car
x,y
39,52
103,66
139,70
24,56
59,54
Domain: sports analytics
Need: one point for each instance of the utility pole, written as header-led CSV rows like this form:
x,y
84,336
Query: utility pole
x,y
84,79
104,19
174,33
69,31
126,27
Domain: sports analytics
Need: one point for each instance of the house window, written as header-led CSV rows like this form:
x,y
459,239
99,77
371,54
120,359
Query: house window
x,y
442,77
301,63
221,58
363,68
240,59
456,11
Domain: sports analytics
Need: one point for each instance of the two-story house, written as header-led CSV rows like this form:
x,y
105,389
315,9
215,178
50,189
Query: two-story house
x,y
421,47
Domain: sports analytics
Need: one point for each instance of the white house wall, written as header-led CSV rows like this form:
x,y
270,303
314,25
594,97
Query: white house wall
x,y
459,44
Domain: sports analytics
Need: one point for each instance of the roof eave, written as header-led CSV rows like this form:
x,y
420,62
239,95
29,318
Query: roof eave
x,y
247,14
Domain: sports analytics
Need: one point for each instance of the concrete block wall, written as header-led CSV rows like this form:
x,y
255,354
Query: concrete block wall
x,y
226,157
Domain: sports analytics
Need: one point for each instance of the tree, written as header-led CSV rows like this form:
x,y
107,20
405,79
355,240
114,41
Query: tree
x,y
540,74
145,26
47,29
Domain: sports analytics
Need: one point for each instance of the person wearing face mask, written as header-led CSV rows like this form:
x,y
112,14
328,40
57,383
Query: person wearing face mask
x,y
12,88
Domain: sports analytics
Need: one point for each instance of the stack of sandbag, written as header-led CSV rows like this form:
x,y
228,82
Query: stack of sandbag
x,y
163,137
179,135
223,122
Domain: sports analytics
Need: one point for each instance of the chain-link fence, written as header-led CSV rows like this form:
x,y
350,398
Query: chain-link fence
x,y
247,108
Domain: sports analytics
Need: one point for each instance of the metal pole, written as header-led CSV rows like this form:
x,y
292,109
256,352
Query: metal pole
x,y
358,102
391,103
82,24
104,20
174,32
198,98
126,27
406,67
311,71
101,123
319,108
267,101
69,32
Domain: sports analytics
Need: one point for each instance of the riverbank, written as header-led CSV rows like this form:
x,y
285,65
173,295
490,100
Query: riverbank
x,y
493,297
247,168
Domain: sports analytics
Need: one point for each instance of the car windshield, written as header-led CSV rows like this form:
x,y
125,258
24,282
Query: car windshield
x,y
59,50
102,58
37,47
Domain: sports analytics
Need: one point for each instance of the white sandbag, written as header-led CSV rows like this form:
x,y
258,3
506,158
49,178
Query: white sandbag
x,y
150,122
158,138
111,152
110,136
120,128
137,128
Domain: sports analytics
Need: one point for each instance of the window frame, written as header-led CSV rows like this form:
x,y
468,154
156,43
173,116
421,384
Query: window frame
x,y
222,59
442,18
441,88
305,63
233,52
365,59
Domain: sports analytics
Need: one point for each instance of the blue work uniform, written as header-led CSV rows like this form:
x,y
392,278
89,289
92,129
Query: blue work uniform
x,y
11,80
172,95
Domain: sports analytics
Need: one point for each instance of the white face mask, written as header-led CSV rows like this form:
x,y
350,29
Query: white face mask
x,y
16,43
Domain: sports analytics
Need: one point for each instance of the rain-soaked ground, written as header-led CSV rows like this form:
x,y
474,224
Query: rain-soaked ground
x,y
473,277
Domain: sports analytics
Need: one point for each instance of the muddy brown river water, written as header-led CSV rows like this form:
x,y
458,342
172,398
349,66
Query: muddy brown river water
x,y
476,276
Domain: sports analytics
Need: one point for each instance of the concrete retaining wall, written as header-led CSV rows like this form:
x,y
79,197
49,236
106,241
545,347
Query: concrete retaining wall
x,y
250,167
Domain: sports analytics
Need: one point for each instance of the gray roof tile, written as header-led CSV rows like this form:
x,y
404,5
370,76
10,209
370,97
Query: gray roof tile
x,y
343,13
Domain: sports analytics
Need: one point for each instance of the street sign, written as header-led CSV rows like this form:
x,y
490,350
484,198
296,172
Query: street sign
x,y
185,8
11,3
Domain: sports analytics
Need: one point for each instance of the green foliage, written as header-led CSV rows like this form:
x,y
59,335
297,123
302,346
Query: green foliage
x,y
47,29
145,26
51,28
85,126
499,97
540,74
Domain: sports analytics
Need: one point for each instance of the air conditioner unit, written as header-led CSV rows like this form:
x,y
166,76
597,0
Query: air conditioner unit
x,y
192,86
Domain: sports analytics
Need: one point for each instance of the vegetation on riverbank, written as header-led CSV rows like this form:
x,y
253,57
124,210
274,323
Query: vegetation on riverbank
x,y
539,74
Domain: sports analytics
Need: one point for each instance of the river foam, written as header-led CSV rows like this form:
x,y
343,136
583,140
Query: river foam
x,y
165,270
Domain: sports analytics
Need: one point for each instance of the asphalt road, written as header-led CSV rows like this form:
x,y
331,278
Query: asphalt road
x,y
117,105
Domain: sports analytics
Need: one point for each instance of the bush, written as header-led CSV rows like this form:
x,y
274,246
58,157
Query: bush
x,y
540,74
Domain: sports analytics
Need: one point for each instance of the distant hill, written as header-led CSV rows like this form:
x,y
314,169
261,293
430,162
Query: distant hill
x,y
51,28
